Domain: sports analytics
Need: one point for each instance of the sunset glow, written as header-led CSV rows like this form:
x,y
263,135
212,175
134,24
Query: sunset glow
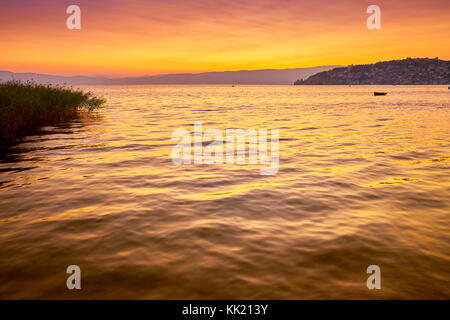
x,y
149,37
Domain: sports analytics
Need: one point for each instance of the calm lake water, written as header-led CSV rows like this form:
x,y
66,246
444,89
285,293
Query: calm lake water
x,y
362,180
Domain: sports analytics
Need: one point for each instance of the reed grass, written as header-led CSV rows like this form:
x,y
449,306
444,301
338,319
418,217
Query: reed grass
x,y
25,106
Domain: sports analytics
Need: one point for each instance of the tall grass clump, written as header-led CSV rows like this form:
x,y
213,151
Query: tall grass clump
x,y
26,106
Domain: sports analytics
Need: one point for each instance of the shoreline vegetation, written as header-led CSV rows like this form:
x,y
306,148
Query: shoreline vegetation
x,y
26,106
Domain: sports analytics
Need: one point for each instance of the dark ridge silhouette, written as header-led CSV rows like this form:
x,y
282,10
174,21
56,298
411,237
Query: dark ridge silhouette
x,y
406,71
268,76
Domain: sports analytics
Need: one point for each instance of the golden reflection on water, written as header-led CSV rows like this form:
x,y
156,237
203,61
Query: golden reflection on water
x,y
363,180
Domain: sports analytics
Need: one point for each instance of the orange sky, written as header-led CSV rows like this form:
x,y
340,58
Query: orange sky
x,y
138,37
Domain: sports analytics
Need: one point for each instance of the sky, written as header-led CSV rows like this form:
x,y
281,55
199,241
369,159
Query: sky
x,y
147,37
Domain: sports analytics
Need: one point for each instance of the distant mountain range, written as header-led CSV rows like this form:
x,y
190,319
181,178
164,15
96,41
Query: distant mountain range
x,y
267,76
406,71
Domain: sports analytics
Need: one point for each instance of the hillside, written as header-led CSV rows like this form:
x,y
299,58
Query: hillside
x,y
406,71
267,76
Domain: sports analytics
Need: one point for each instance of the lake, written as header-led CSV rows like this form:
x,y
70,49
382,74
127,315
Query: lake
x,y
362,181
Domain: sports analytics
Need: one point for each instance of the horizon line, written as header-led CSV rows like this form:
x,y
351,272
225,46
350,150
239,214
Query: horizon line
x,y
203,72
164,74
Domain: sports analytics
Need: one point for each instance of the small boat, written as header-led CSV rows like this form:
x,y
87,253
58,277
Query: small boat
x,y
380,93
